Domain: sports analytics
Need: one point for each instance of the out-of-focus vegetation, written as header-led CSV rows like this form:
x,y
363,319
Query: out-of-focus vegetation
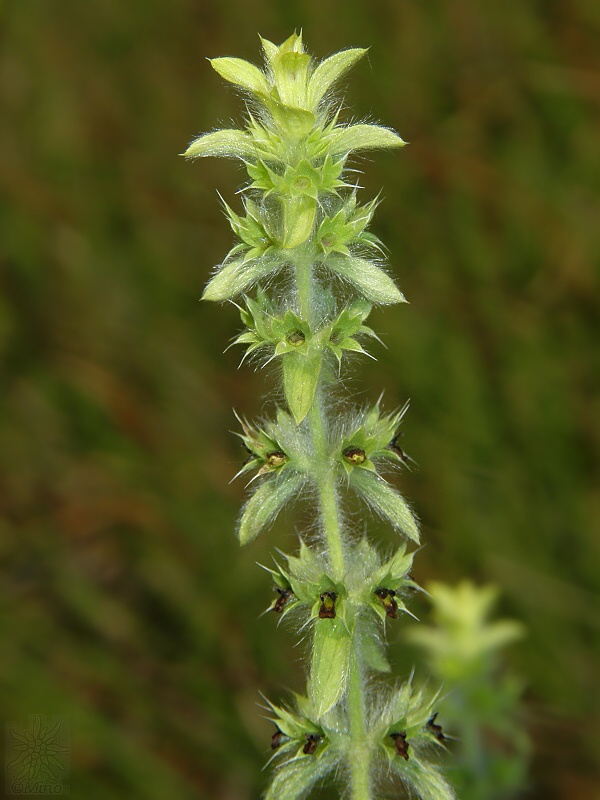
x,y
127,605
481,711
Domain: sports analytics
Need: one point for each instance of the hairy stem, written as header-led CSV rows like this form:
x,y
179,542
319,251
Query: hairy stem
x,y
325,477
330,514
303,264
332,528
328,500
361,753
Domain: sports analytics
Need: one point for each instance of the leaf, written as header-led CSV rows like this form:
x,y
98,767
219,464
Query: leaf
x,y
330,664
229,143
293,122
287,721
298,218
269,48
300,380
290,76
396,569
241,73
235,277
372,282
329,71
266,502
295,779
425,780
386,501
363,137
373,653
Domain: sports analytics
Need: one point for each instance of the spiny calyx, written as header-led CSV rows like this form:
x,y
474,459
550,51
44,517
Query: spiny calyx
x,y
306,583
402,735
283,454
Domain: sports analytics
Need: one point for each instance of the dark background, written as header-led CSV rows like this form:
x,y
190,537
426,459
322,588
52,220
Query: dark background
x,y
127,604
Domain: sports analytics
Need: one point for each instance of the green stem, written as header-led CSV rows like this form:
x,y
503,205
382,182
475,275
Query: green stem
x,y
330,515
360,753
328,499
304,272
324,472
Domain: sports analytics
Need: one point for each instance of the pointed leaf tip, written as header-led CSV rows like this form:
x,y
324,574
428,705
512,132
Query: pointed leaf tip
x,y
330,664
227,143
235,277
300,381
365,137
386,501
330,70
241,73
295,778
264,505
371,281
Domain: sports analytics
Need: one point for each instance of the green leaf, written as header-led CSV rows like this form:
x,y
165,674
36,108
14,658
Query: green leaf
x,y
330,664
395,570
371,281
425,780
363,137
300,380
269,48
292,122
266,502
289,722
305,571
229,143
329,71
237,276
373,652
241,73
290,71
295,779
386,501
298,218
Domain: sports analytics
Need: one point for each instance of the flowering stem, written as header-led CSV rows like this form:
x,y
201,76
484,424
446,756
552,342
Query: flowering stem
x,y
300,211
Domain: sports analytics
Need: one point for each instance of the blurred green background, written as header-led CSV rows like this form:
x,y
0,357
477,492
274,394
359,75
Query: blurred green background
x,y
127,604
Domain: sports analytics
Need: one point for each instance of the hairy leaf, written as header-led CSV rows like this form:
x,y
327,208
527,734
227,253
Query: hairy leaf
x,y
424,779
241,73
330,70
371,281
298,218
237,276
373,651
363,137
229,143
295,779
292,122
386,500
330,664
266,502
300,380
